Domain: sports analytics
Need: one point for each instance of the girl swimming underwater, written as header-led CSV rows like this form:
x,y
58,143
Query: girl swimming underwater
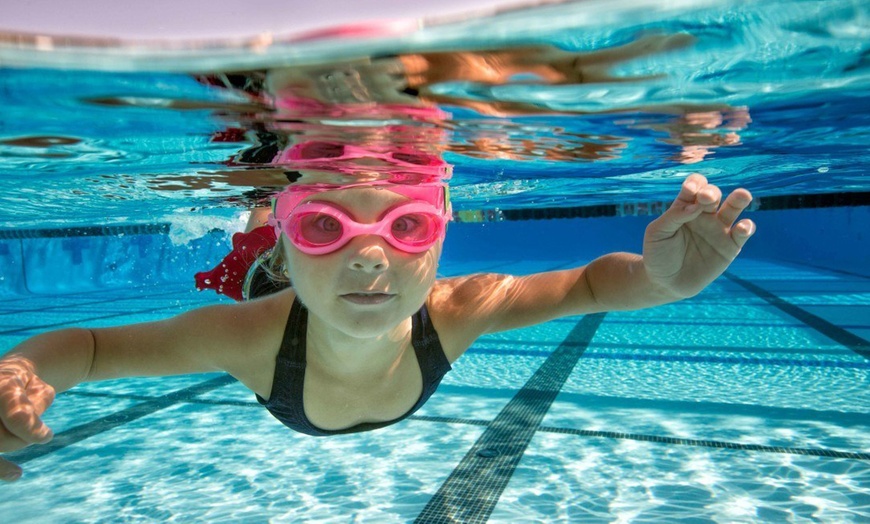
x,y
366,332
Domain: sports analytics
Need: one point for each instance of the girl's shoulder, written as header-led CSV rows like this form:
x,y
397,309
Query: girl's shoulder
x,y
256,333
461,309
266,316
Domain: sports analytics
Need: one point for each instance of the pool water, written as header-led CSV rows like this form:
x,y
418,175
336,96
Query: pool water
x,y
723,408
748,403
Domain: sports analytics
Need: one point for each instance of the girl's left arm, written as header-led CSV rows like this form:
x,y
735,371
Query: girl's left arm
x,y
684,250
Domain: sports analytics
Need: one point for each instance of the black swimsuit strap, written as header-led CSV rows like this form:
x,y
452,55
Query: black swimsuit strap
x,y
294,343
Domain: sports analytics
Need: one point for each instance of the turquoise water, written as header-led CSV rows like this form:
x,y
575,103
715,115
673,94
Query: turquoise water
x,y
724,408
747,403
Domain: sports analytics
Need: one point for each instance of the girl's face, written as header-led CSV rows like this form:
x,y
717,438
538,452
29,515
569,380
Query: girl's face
x,y
366,287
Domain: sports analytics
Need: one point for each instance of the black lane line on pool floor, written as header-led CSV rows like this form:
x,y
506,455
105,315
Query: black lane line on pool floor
x,y
104,424
675,441
852,341
84,321
63,308
614,435
472,490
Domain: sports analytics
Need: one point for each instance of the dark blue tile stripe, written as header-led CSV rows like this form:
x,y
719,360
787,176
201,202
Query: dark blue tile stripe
x,y
840,418
732,360
850,340
717,444
125,292
824,268
472,490
485,343
101,425
100,302
86,231
815,452
686,358
79,321
127,396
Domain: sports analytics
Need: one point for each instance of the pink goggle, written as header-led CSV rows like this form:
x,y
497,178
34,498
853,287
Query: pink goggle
x,y
319,227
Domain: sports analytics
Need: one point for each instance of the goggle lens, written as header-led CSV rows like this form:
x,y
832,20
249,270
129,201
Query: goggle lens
x,y
317,229
415,229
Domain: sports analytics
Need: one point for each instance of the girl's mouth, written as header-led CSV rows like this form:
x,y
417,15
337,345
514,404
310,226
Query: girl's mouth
x,y
367,299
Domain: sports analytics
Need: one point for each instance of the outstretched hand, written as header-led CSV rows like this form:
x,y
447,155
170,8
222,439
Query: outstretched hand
x,y
697,238
23,400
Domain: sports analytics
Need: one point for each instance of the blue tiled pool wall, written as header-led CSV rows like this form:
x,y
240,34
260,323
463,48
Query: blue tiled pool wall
x,y
43,262
829,237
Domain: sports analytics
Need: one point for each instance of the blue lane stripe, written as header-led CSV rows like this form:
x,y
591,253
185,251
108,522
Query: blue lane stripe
x,y
717,444
658,439
176,309
849,419
109,422
103,303
472,490
804,351
813,452
684,358
857,344
731,360
86,231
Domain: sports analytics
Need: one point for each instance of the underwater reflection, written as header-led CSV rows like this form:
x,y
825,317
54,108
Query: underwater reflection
x,y
359,116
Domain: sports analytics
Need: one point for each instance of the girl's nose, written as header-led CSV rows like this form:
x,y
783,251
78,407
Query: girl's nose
x,y
369,254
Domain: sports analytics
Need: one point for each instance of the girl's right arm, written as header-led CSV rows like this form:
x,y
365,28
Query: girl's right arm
x,y
238,338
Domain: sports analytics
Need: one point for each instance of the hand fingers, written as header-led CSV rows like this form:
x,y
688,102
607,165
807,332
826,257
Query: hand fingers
x,y
697,190
708,198
40,394
696,196
20,414
737,201
10,442
691,185
741,232
9,472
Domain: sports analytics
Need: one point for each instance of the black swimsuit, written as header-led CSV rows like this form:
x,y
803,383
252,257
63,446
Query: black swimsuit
x,y
285,401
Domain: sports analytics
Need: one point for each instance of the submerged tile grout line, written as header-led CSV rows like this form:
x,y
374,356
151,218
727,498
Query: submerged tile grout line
x,y
79,322
62,307
472,490
688,359
101,292
657,439
855,343
824,416
485,347
119,418
815,452
824,268
189,398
